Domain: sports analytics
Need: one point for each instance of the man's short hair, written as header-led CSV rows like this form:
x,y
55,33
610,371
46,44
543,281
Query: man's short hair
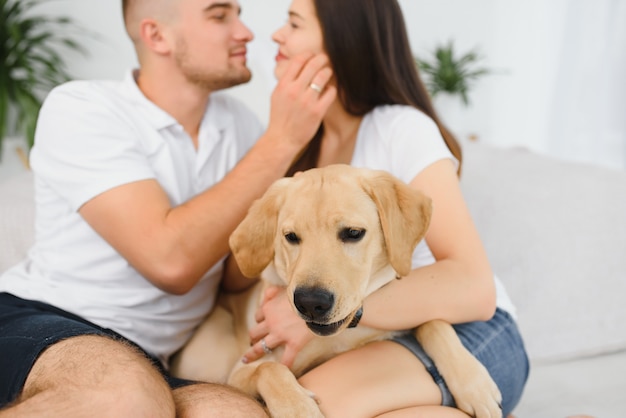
x,y
134,11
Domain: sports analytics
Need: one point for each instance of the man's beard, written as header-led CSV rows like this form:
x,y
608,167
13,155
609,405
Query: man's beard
x,y
209,80
216,81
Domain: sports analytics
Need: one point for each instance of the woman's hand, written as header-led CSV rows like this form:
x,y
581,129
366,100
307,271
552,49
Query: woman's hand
x,y
278,324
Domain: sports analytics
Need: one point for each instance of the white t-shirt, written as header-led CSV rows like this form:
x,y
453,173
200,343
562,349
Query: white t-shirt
x,y
404,141
96,135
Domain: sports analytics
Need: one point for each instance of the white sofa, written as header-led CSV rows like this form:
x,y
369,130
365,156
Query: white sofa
x,y
556,235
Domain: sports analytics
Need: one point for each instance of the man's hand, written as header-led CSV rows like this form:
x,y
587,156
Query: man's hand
x,y
297,109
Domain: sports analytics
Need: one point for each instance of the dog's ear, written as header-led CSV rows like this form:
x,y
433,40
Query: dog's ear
x,y
252,242
404,217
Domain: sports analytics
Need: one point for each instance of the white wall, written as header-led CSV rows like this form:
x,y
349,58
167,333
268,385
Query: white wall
x,y
429,23
110,51
510,108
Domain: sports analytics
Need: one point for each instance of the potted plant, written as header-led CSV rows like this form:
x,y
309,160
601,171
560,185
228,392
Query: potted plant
x,y
32,65
447,73
449,79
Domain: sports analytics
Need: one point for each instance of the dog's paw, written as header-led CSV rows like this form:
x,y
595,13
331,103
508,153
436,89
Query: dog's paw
x,y
480,404
475,392
297,402
300,407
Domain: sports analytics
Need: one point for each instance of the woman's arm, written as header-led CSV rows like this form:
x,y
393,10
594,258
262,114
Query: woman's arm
x,y
459,286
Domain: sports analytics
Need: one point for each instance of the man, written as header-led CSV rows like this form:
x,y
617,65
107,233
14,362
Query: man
x,y
138,186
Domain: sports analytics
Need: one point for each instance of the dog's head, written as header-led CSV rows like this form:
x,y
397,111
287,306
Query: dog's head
x,y
334,234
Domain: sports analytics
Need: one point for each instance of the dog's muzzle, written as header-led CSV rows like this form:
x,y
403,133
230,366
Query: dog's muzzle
x,y
329,329
326,329
315,306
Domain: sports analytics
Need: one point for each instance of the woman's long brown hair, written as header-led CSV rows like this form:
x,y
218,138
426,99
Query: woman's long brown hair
x,y
369,50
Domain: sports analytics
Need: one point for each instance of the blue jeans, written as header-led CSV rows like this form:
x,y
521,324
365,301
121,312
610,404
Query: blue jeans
x,y
498,345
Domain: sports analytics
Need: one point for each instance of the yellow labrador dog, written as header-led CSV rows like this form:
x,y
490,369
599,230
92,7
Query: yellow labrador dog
x,y
331,236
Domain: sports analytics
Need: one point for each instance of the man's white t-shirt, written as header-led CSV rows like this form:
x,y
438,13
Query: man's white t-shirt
x,y
404,141
93,136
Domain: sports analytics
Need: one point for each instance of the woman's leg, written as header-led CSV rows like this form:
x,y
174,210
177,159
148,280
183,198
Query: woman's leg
x,y
384,377
426,412
369,381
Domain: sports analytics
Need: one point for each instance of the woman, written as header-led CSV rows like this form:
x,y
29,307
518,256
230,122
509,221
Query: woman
x,y
382,118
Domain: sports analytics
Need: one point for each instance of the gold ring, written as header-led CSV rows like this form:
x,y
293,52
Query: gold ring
x,y
315,87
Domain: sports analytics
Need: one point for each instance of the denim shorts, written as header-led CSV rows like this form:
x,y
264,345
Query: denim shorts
x,y
497,344
28,327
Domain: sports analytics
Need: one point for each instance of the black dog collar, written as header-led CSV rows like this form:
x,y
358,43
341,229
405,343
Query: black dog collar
x,y
357,318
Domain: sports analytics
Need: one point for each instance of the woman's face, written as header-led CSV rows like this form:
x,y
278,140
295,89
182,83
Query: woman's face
x,y
301,33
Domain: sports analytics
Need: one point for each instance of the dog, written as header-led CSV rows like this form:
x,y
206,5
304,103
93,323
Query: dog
x,y
330,236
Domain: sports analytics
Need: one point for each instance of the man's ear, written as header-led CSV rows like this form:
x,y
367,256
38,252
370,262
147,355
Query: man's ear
x,y
154,37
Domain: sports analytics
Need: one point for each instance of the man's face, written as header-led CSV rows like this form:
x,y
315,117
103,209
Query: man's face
x,y
210,43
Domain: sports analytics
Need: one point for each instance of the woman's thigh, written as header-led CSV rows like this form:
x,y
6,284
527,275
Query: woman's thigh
x,y
369,381
387,376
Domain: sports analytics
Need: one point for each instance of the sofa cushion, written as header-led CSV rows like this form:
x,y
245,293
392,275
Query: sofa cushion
x,y
17,214
556,236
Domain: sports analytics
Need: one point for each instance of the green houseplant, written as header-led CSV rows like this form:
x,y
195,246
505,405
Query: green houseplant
x,y
445,72
32,65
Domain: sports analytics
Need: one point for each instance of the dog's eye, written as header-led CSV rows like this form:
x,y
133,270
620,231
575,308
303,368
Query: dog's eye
x,y
351,234
292,238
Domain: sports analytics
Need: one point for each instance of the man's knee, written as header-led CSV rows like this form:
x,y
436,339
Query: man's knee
x,y
208,400
114,378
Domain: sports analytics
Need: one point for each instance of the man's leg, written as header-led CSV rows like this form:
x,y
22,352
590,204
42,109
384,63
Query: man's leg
x,y
93,376
54,363
209,400
97,376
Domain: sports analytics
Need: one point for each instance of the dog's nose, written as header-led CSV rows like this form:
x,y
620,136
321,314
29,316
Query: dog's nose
x,y
313,303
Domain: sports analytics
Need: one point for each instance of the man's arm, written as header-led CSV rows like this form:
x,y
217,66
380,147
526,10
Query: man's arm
x,y
174,247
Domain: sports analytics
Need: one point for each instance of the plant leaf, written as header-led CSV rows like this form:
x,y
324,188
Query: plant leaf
x,y
447,72
32,64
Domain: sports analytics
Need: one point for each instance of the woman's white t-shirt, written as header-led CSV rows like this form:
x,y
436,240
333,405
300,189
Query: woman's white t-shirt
x,y
404,141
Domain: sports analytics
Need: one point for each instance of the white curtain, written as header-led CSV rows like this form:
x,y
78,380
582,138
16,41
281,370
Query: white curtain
x,y
587,113
564,89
